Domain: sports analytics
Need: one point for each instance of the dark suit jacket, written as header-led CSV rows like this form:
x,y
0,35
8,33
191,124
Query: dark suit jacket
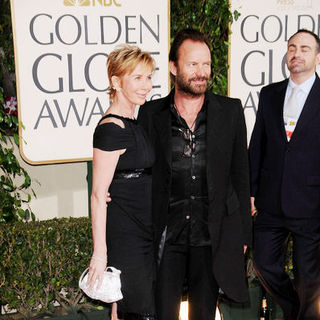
x,y
229,217
285,176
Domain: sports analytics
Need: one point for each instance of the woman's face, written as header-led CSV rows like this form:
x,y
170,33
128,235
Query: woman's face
x,y
137,85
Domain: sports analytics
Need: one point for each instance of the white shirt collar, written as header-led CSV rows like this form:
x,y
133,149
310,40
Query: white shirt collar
x,y
305,86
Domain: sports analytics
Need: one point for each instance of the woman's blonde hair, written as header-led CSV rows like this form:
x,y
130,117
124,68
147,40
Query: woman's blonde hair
x,y
123,60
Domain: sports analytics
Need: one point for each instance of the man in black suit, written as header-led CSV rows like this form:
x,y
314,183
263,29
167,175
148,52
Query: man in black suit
x,y
201,200
285,181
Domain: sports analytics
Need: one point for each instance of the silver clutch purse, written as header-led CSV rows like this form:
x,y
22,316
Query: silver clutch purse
x,y
110,289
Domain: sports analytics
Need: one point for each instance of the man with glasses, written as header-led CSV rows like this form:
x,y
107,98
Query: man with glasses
x,y
201,205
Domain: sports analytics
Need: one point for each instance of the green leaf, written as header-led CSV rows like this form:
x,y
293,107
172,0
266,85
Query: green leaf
x,y
22,213
8,121
236,14
7,187
16,139
15,120
27,214
27,181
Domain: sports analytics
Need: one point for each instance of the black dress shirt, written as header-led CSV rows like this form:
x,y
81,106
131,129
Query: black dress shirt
x,y
188,207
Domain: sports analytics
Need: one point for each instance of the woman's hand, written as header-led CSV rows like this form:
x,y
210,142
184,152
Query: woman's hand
x,y
96,269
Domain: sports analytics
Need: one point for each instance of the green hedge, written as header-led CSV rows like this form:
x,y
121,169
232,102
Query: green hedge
x,y
41,262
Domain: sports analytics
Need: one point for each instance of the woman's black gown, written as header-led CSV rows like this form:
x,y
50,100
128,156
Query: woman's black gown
x,y
129,229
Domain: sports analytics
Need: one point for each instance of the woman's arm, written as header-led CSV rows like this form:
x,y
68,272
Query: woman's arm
x,y
104,165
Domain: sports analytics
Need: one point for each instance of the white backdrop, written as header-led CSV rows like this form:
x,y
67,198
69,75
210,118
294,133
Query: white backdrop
x,y
61,48
259,42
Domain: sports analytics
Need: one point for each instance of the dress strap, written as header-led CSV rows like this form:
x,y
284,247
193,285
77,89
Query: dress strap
x,y
111,115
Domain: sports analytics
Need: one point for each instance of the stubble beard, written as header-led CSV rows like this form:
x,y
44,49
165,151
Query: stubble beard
x,y
186,85
295,68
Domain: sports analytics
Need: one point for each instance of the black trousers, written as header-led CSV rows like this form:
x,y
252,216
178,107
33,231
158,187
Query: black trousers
x,y
194,264
299,300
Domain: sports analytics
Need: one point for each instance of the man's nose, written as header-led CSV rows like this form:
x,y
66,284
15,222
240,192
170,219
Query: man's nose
x,y
298,52
200,71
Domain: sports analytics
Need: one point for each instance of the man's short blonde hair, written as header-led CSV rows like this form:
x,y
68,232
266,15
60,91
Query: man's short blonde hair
x,y
123,60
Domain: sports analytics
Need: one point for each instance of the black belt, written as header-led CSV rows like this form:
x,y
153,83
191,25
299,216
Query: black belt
x,y
132,174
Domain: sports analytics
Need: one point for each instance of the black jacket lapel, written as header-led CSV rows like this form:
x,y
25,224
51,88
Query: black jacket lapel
x,y
162,123
277,107
310,109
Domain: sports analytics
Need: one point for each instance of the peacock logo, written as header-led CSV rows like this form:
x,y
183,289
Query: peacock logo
x,y
75,3
93,3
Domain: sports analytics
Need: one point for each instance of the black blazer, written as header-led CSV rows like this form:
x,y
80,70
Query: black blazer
x,y
229,217
285,176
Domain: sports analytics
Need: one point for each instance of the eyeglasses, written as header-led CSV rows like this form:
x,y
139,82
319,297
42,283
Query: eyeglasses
x,y
190,145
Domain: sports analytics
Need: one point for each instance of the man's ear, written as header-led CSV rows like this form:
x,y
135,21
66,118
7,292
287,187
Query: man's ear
x,y
173,68
318,58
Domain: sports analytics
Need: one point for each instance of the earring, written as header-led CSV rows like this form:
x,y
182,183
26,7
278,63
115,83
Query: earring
x,y
117,89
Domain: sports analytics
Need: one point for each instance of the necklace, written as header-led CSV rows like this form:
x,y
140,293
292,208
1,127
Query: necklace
x,y
191,128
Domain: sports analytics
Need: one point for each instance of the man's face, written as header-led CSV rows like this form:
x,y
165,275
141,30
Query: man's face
x,y
193,68
302,54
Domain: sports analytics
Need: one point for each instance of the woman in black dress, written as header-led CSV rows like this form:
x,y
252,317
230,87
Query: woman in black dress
x,y
122,160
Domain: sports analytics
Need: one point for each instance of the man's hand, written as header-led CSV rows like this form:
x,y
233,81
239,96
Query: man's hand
x,y
253,207
245,249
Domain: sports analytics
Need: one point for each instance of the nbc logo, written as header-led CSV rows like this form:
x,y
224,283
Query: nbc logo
x,y
86,3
